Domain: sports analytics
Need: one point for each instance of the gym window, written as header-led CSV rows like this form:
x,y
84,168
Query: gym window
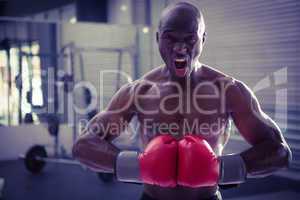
x,y
20,89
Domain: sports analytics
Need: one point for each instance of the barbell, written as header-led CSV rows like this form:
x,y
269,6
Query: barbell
x,y
36,158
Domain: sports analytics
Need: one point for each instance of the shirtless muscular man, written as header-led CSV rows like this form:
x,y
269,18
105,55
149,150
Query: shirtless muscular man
x,y
184,110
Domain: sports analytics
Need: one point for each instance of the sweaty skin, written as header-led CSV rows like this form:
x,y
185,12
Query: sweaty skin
x,y
174,100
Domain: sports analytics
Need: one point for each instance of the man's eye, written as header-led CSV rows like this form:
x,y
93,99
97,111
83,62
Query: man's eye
x,y
169,38
191,40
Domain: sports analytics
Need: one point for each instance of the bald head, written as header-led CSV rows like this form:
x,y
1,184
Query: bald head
x,y
181,35
179,15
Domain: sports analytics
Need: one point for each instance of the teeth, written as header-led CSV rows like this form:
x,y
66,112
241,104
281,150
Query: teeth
x,y
180,60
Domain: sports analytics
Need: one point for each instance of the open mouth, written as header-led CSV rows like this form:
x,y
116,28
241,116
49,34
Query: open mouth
x,y
180,66
180,63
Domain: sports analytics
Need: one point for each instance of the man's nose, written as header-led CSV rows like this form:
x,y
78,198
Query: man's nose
x,y
180,48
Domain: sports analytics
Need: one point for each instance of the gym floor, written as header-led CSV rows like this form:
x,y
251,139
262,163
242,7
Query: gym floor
x,y
59,181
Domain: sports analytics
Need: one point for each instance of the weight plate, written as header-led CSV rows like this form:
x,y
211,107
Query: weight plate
x,y
33,164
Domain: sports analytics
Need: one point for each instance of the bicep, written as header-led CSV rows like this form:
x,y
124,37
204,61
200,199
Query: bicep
x,y
253,124
115,118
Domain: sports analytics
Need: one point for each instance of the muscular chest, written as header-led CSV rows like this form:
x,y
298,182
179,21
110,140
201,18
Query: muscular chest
x,y
192,110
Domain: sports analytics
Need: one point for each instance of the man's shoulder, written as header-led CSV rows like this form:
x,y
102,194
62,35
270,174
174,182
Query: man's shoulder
x,y
146,81
153,75
234,89
212,73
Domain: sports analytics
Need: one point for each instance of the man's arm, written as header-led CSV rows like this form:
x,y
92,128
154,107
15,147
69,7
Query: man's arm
x,y
94,147
269,151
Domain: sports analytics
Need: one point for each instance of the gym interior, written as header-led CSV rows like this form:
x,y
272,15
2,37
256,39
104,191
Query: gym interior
x,y
58,64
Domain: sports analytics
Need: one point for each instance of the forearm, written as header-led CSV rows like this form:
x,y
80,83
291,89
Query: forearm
x,y
265,158
96,153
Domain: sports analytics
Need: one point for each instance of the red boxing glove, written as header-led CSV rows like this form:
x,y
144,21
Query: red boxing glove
x,y
198,166
158,162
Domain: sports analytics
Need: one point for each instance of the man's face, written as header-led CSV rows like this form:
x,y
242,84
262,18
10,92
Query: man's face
x,y
180,41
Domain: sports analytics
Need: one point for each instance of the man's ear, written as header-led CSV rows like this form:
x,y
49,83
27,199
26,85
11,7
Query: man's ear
x,y
157,36
204,37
